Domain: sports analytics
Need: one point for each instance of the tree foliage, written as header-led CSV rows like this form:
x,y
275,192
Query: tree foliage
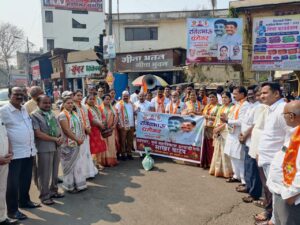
x,y
11,40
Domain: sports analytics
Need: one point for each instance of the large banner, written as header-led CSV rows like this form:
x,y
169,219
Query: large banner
x,y
84,5
276,43
214,41
172,136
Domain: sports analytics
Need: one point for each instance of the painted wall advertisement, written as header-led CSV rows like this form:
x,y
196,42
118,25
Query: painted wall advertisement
x,y
276,43
171,136
214,41
83,69
88,5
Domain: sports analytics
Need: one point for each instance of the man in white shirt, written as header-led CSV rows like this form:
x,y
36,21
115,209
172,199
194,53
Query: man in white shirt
x,y
219,91
5,158
21,137
126,125
175,106
284,174
274,132
233,147
135,96
252,179
167,93
142,105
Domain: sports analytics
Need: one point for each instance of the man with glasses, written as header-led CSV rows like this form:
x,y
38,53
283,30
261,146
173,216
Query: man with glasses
x,y
284,175
21,137
175,106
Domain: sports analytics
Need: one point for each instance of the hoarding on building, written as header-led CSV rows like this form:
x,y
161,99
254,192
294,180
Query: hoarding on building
x,y
214,40
144,61
276,43
83,5
109,49
82,69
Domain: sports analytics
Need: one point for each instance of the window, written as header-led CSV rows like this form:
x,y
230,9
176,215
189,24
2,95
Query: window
x,y
79,12
141,33
82,39
50,44
49,16
76,24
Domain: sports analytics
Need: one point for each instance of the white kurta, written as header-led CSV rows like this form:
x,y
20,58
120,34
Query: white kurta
x,y
233,147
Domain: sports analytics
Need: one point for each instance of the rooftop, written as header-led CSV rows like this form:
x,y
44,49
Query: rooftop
x,y
257,3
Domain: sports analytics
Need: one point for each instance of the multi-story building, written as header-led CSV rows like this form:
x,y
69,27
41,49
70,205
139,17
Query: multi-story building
x,y
73,24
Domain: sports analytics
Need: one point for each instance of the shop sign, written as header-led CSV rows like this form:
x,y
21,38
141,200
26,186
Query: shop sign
x,y
83,69
144,61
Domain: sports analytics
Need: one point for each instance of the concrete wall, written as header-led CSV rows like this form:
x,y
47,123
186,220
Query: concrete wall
x,y
62,32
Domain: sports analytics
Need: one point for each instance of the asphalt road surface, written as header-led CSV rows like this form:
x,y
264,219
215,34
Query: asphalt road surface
x,y
170,194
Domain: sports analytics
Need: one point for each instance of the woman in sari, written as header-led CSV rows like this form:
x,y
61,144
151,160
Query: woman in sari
x,y
209,112
97,143
89,168
192,106
73,179
221,164
110,120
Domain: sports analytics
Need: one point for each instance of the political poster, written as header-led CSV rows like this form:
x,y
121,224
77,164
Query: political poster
x,y
171,136
276,43
214,40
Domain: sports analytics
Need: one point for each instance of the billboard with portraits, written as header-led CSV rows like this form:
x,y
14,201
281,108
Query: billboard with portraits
x,y
214,40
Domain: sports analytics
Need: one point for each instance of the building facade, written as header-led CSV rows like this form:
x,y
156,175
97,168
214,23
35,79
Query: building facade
x,y
74,24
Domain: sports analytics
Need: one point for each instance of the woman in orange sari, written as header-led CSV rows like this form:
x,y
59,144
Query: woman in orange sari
x,y
110,119
220,164
209,112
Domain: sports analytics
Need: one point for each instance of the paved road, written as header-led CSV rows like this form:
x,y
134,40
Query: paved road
x,y
171,194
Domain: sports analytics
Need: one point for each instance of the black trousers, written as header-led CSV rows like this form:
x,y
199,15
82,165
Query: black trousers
x,y
18,183
252,178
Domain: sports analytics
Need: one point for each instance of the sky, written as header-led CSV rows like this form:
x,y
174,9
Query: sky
x,y
26,14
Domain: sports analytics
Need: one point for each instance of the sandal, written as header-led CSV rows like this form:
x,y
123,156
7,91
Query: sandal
x,y
48,202
233,180
248,199
260,217
259,203
241,189
58,195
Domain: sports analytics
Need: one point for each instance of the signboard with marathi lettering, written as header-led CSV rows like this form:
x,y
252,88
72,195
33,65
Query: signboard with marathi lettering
x,y
276,43
83,5
82,69
144,61
214,40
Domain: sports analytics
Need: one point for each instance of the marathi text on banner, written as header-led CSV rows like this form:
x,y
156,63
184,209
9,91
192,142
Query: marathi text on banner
x,y
215,41
172,136
276,43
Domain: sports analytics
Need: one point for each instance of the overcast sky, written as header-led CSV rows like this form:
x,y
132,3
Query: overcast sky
x,y
26,14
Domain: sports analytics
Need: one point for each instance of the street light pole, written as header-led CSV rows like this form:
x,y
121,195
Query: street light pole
x,y
27,61
110,32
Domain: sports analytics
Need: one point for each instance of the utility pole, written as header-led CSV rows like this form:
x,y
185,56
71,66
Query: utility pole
x,y
111,61
27,61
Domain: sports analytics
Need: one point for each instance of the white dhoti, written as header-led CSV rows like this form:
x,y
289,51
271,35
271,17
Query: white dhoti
x,y
3,184
233,148
89,169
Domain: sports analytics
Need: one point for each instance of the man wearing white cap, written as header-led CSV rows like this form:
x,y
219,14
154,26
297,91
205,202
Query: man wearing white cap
x,y
126,125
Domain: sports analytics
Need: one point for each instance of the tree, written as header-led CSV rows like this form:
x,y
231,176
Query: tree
x,y
214,5
11,39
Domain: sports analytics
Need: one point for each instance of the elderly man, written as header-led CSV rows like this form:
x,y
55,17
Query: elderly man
x,y
5,158
31,105
47,133
284,175
21,137
175,106
126,125
142,105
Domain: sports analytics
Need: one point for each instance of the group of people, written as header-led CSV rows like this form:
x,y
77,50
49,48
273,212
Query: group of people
x,y
251,137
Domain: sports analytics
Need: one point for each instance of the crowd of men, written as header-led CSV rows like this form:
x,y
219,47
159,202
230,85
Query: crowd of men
x,y
251,137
